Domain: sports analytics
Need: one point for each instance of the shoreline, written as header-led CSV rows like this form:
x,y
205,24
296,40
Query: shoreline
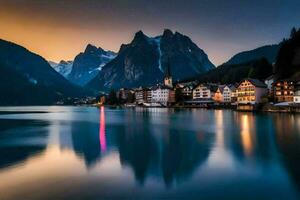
x,y
269,109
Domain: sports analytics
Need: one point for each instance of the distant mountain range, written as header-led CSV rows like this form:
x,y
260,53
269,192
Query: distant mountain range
x,y
143,61
63,67
87,64
268,52
27,78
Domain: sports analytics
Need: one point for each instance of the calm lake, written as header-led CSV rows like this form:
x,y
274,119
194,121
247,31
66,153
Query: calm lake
x,y
91,153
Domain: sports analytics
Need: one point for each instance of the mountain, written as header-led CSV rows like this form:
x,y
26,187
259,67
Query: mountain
x,y
28,79
63,67
87,64
288,60
269,52
226,74
143,61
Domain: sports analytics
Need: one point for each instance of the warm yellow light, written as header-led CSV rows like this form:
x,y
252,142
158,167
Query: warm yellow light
x,y
246,135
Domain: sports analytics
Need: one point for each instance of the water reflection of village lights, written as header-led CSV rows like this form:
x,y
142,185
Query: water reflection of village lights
x,y
246,135
102,129
220,128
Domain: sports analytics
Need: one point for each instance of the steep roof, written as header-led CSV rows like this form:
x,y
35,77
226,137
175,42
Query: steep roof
x,y
168,70
255,82
213,88
221,88
160,87
232,87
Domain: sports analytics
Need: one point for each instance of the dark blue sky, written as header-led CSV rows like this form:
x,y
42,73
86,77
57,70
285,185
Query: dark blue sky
x,y
60,29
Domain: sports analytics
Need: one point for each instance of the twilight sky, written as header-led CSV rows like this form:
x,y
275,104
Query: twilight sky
x,y
61,29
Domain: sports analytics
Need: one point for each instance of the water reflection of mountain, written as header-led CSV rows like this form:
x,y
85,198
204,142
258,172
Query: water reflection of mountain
x,y
13,134
139,150
17,154
170,155
182,153
86,138
288,142
85,141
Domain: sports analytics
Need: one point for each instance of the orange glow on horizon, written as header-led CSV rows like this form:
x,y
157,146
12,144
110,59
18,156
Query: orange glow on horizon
x,y
56,41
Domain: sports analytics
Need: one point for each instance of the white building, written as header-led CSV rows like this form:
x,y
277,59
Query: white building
x,y
269,82
227,94
223,94
201,92
162,94
297,93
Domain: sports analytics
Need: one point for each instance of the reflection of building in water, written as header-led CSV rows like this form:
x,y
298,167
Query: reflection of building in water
x,y
219,128
246,134
220,156
288,143
102,129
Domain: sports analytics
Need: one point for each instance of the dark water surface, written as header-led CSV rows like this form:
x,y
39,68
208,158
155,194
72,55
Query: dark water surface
x,y
91,153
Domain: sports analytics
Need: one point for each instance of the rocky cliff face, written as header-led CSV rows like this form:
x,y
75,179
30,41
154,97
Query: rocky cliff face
x,y
87,64
144,60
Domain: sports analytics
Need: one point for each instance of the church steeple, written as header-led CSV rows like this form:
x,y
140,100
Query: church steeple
x,y
168,70
168,77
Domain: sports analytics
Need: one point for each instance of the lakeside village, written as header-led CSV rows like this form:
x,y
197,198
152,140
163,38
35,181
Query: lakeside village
x,y
248,95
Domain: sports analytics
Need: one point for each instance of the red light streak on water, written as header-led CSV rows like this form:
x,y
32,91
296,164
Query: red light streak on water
x,y
102,130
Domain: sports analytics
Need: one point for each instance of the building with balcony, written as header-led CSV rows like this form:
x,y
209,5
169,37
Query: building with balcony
x,y
234,93
162,94
251,91
142,95
283,91
186,90
224,94
202,92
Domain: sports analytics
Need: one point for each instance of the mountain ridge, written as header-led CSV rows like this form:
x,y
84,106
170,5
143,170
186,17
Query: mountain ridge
x,y
43,82
143,61
267,51
88,63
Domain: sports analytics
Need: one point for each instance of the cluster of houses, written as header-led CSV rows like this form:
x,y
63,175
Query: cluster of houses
x,y
158,95
247,92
